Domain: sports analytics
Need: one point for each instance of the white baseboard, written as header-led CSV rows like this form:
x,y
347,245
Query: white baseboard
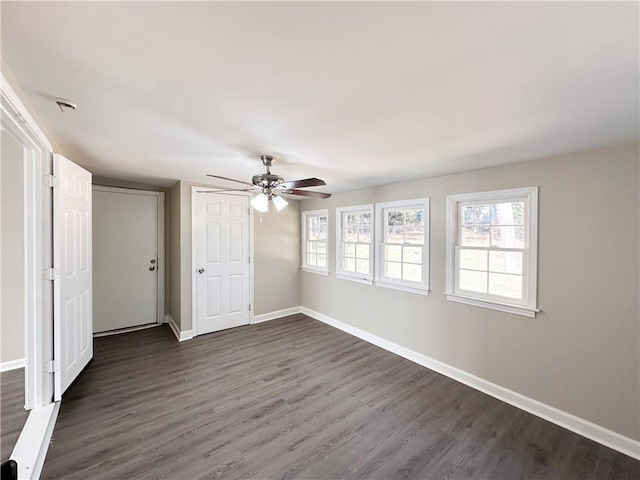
x,y
33,443
578,425
264,317
12,365
181,336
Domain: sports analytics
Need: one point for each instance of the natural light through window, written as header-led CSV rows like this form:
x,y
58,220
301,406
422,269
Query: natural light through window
x,y
403,245
491,247
315,249
354,229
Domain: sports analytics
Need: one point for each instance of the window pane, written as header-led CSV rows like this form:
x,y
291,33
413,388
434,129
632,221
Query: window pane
x,y
352,220
312,234
475,215
414,217
311,259
393,253
505,285
507,237
365,219
412,254
322,247
395,218
505,262
392,270
411,272
351,235
349,264
350,249
414,235
322,260
473,281
473,259
507,213
364,235
312,223
474,237
311,247
395,234
322,234
362,266
362,251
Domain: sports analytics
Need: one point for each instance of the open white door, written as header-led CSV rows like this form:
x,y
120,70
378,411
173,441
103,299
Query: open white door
x,y
72,318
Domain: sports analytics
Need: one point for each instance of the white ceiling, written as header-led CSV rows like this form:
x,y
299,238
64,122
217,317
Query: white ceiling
x,y
359,94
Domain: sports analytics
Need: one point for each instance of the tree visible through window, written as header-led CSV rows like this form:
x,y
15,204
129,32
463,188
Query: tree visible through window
x,y
315,241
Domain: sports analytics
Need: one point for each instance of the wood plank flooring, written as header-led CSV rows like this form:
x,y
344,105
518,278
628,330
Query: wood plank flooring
x,y
294,398
12,413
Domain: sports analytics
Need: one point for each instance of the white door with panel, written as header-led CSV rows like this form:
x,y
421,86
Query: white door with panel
x,y
72,318
222,262
128,231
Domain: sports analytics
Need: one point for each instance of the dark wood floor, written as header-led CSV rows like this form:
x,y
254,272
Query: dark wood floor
x,y
294,398
12,413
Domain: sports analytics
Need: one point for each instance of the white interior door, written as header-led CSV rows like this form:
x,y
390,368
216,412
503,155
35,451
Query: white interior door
x,y
72,322
127,231
221,262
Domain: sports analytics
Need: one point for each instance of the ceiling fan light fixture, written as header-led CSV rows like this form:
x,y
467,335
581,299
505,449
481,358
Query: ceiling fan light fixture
x,y
279,202
261,203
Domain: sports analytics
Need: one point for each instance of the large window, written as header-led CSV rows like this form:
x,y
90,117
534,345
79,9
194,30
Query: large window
x,y
315,250
402,247
354,241
491,249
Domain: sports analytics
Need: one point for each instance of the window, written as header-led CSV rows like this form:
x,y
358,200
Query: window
x,y
402,249
315,250
354,234
492,249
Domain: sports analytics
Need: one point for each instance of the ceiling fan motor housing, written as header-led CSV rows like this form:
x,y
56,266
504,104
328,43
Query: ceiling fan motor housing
x,y
266,180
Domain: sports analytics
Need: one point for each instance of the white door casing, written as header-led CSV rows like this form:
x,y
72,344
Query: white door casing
x,y
221,262
128,258
72,318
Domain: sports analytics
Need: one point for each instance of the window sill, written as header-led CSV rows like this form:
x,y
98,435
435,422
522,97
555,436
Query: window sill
x,y
403,288
502,307
317,272
364,281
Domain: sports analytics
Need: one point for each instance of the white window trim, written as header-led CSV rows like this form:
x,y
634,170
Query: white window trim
x,y
355,277
311,268
531,250
410,287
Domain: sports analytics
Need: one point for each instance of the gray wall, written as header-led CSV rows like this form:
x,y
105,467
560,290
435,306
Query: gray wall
x,y
276,257
582,352
12,298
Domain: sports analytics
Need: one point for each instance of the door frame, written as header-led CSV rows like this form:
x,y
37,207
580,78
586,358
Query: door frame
x,y
38,321
160,311
194,276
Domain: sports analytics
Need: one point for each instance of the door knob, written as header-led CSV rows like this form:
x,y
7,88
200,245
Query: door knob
x,y
152,268
201,270
153,260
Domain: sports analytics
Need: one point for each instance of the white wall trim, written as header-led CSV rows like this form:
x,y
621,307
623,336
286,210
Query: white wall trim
x,y
33,442
578,425
181,336
264,317
12,365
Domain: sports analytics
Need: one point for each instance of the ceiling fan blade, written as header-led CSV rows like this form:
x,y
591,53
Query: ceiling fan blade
x,y
227,190
306,193
307,182
230,179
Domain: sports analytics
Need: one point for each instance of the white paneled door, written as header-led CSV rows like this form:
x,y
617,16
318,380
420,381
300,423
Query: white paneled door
x,y
222,262
72,318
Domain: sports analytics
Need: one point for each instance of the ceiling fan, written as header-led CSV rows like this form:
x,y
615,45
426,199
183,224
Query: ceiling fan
x,y
271,186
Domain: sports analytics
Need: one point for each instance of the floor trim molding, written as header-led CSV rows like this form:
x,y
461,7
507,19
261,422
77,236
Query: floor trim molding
x,y
265,317
33,443
12,365
181,336
578,425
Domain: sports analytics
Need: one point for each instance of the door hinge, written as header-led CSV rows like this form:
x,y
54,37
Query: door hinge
x,y
53,366
249,259
51,181
52,274
249,307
